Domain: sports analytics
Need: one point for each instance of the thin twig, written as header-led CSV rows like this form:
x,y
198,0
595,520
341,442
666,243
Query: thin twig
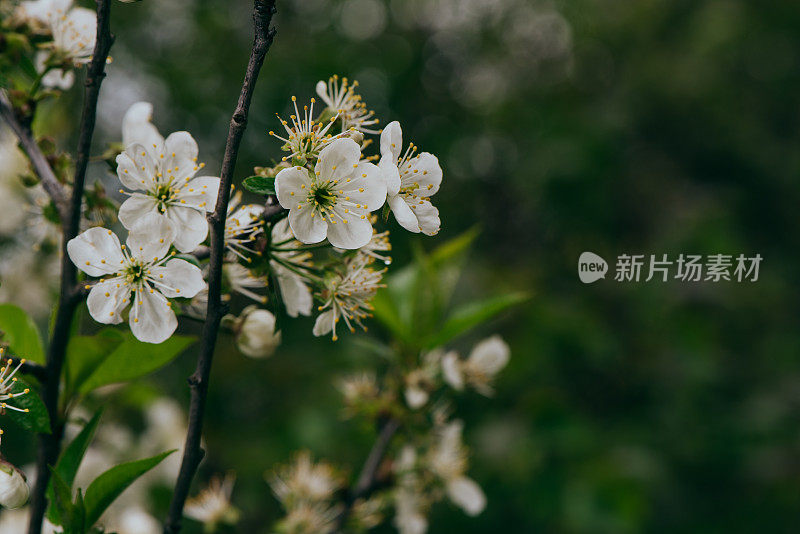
x,y
193,454
70,295
367,480
41,167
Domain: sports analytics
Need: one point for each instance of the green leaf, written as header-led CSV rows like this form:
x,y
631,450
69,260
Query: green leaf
x,y
62,500
471,315
70,460
36,418
260,185
21,333
452,250
108,486
133,359
86,353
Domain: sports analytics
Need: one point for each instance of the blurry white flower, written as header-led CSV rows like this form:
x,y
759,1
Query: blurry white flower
x,y
144,268
304,481
334,201
256,336
243,281
163,170
242,227
409,517
306,518
410,182
448,460
341,98
486,360
7,380
14,490
416,391
55,78
42,11
287,264
74,34
305,137
212,506
135,520
347,296
358,387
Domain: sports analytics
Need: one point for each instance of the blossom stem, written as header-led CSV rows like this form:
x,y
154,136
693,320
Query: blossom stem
x,y
263,11
70,295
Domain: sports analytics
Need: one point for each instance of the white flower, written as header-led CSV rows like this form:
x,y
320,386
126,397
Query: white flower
x,y
14,490
257,337
305,137
304,481
136,520
416,392
7,380
287,264
358,388
486,360
162,174
241,280
213,505
335,199
341,98
410,182
74,34
347,297
242,227
409,517
448,460
316,518
55,78
144,268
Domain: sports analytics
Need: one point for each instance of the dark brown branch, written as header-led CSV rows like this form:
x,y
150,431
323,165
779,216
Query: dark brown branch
x,y
41,167
367,480
263,11
69,297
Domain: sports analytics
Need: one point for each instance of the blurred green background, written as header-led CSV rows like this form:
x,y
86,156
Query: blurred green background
x,y
638,127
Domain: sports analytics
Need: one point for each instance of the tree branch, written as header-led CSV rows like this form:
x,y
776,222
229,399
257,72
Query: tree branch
x,y
367,479
38,160
69,297
263,11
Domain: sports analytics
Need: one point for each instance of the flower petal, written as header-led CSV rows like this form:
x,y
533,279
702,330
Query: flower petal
x,y
107,299
467,495
451,370
177,278
137,128
151,319
291,186
305,226
324,323
135,208
354,234
427,216
295,293
365,186
392,141
405,217
150,238
489,356
191,227
424,172
200,193
337,159
145,165
96,252
180,156
130,175
390,174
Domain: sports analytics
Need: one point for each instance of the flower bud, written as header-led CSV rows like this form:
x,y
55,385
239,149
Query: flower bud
x,y
256,336
14,490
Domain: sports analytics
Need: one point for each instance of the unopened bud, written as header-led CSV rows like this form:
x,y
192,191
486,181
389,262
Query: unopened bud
x,y
256,335
14,490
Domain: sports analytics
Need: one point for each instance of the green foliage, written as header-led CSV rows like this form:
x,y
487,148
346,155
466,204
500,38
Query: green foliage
x,y
111,357
36,418
20,333
261,185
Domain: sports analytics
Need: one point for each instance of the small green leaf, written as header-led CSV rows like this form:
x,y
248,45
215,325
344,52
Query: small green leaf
x,y
471,315
62,500
36,418
21,333
133,359
260,185
70,460
108,486
86,353
452,250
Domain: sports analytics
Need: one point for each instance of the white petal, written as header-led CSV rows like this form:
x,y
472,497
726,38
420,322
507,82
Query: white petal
x,y
130,175
392,141
191,227
135,208
490,355
146,166
149,239
424,172
403,214
427,216
180,157
151,319
337,159
177,278
96,252
306,227
75,34
322,91
137,128
451,370
200,193
466,494
355,234
107,299
291,186
416,397
365,186
295,293
390,174
324,323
